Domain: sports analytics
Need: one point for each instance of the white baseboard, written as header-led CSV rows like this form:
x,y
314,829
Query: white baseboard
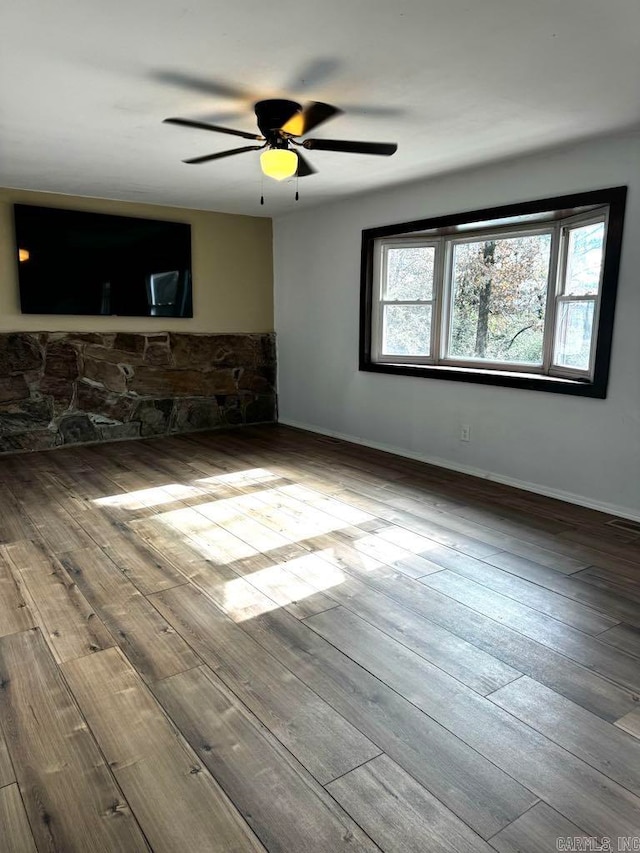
x,y
537,488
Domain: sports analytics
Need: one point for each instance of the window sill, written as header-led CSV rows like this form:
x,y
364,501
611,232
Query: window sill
x,y
504,378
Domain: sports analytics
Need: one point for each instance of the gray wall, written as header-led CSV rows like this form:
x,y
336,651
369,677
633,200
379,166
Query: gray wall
x,y
584,450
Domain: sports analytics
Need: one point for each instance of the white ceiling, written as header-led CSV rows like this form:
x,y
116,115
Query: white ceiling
x,y
85,84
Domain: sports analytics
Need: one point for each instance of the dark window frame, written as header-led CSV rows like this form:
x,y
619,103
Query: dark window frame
x,y
613,197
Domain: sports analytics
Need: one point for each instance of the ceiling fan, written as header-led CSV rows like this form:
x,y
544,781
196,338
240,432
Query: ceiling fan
x,y
280,123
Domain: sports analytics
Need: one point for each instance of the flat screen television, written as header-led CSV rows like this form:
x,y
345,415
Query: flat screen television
x,y
72,262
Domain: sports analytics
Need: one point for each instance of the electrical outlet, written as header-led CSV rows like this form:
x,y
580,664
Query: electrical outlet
x,y
465,432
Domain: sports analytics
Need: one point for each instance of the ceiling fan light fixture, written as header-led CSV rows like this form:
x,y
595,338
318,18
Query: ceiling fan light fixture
x,y
279,163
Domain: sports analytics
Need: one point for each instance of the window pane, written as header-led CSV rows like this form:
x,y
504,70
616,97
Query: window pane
x,y
499,296
410,273
584,259
406,330
574,324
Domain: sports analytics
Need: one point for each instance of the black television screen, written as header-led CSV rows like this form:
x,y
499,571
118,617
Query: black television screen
x,y
72,262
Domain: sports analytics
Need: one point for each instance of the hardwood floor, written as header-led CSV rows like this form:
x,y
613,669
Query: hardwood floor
x,y
263,639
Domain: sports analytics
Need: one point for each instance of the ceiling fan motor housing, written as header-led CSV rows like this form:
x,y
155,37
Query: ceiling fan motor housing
x,y
272,115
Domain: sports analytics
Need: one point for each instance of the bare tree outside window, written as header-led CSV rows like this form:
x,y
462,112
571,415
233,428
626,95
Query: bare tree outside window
x,y
499,299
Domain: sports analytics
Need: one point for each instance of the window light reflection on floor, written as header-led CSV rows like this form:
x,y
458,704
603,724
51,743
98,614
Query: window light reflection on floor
x,y
251,475
230,529
268,507
212,541
378,545
154,496
277,586
170,492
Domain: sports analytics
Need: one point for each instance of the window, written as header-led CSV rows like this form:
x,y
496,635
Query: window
x,y
521,295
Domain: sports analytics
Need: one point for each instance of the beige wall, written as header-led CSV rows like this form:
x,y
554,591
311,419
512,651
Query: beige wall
x,y
232,270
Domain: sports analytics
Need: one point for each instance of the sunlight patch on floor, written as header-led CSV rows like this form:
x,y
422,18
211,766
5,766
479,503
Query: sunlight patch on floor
x,y
393,544
155,496
170,492
243,526
306,568
318,569
212,541
291,519
250,525
277,586
357,559
242,601
349,514
242,478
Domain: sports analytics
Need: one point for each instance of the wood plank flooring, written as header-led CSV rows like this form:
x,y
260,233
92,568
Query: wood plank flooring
x,y
262,639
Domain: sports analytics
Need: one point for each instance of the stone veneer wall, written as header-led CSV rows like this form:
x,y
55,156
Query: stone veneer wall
x,y
65,387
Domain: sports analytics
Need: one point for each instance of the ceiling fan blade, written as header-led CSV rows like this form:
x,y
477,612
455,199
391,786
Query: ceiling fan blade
x,y
202,84
202,125
312,114
222,154
384,149
304,166
369,111
314,73
228,115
